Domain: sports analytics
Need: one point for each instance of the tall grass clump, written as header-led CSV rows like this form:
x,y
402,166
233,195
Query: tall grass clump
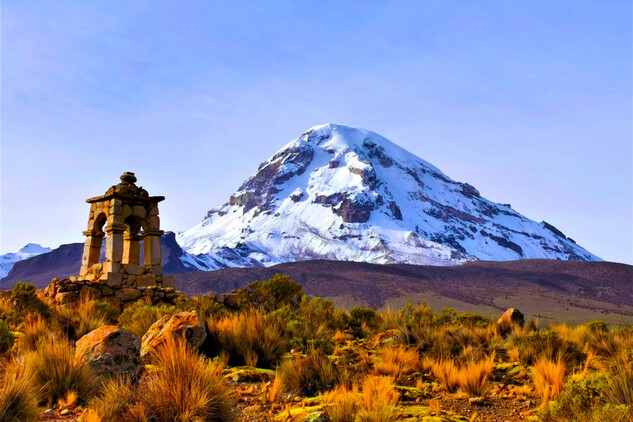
x,y
247,338
113,402
183,386
379,400
396,361
343,404
34,329
474,375
56,374
84,316
548,377
18,398
446,371
309,375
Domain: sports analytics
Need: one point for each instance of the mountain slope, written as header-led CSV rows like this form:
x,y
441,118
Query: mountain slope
x,y
8,260
349,194
571,291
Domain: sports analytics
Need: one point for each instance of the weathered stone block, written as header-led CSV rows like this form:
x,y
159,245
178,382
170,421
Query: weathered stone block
x,y
127,295
111,279
133,269
146,280
111,267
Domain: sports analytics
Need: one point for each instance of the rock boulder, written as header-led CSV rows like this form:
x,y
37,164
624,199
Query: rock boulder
x,y
185,325
111,351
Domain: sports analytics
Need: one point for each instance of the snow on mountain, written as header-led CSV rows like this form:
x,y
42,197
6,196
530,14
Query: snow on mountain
x,y
8,260
342,193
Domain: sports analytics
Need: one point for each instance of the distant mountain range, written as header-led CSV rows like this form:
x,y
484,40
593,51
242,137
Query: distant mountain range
x,y
347,194
7,261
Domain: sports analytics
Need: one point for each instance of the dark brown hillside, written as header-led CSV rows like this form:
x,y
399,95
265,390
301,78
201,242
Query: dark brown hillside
x,y
550,290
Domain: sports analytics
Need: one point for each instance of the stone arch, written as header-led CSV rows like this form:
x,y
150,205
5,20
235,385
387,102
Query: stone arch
x,y
132,238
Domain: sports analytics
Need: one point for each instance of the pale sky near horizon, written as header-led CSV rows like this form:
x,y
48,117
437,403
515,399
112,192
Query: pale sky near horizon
x,y
528,101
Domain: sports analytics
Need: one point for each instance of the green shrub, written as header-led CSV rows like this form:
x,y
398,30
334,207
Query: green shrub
x,y
546,343
6,337
597,326
313,325
272,294
24,297
472,320
360,318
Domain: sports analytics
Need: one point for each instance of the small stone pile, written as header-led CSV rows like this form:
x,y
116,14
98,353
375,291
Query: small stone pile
x,y
68,291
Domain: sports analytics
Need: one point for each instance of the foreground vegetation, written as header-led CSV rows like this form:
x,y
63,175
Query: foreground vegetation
x,y
280,355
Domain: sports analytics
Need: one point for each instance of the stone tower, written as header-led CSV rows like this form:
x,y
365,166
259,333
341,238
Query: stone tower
x,y
125,216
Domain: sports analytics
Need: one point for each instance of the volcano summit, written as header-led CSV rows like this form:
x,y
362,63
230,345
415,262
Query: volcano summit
x,y
349,194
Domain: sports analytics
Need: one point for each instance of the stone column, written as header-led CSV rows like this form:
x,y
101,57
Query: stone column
x,y
131,248
114,242
151,247
92,250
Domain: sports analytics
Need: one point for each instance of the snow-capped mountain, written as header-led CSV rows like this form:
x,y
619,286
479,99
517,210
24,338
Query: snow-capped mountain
x,y
342,193
8,260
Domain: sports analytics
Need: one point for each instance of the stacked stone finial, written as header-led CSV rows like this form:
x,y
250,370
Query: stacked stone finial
x,y
126,216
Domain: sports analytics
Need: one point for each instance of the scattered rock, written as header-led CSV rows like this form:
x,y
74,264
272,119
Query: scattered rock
x,y
111,351
512,316
185,325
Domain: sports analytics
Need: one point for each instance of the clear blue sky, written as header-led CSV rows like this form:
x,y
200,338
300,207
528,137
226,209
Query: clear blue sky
x,y
529,101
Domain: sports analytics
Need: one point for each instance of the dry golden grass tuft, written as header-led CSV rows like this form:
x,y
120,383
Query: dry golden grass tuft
x,y
310,375
34,329
473,376
83,316
113,401
56,374
548,377
343,404
184,386
246,338
18,396
379,400
446,371
396,361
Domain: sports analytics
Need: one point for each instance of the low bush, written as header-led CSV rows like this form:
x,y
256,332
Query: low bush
x,y
362,321
24,298
272,294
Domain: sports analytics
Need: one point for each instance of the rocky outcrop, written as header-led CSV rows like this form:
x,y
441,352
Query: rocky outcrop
x,y
186,326
111,351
